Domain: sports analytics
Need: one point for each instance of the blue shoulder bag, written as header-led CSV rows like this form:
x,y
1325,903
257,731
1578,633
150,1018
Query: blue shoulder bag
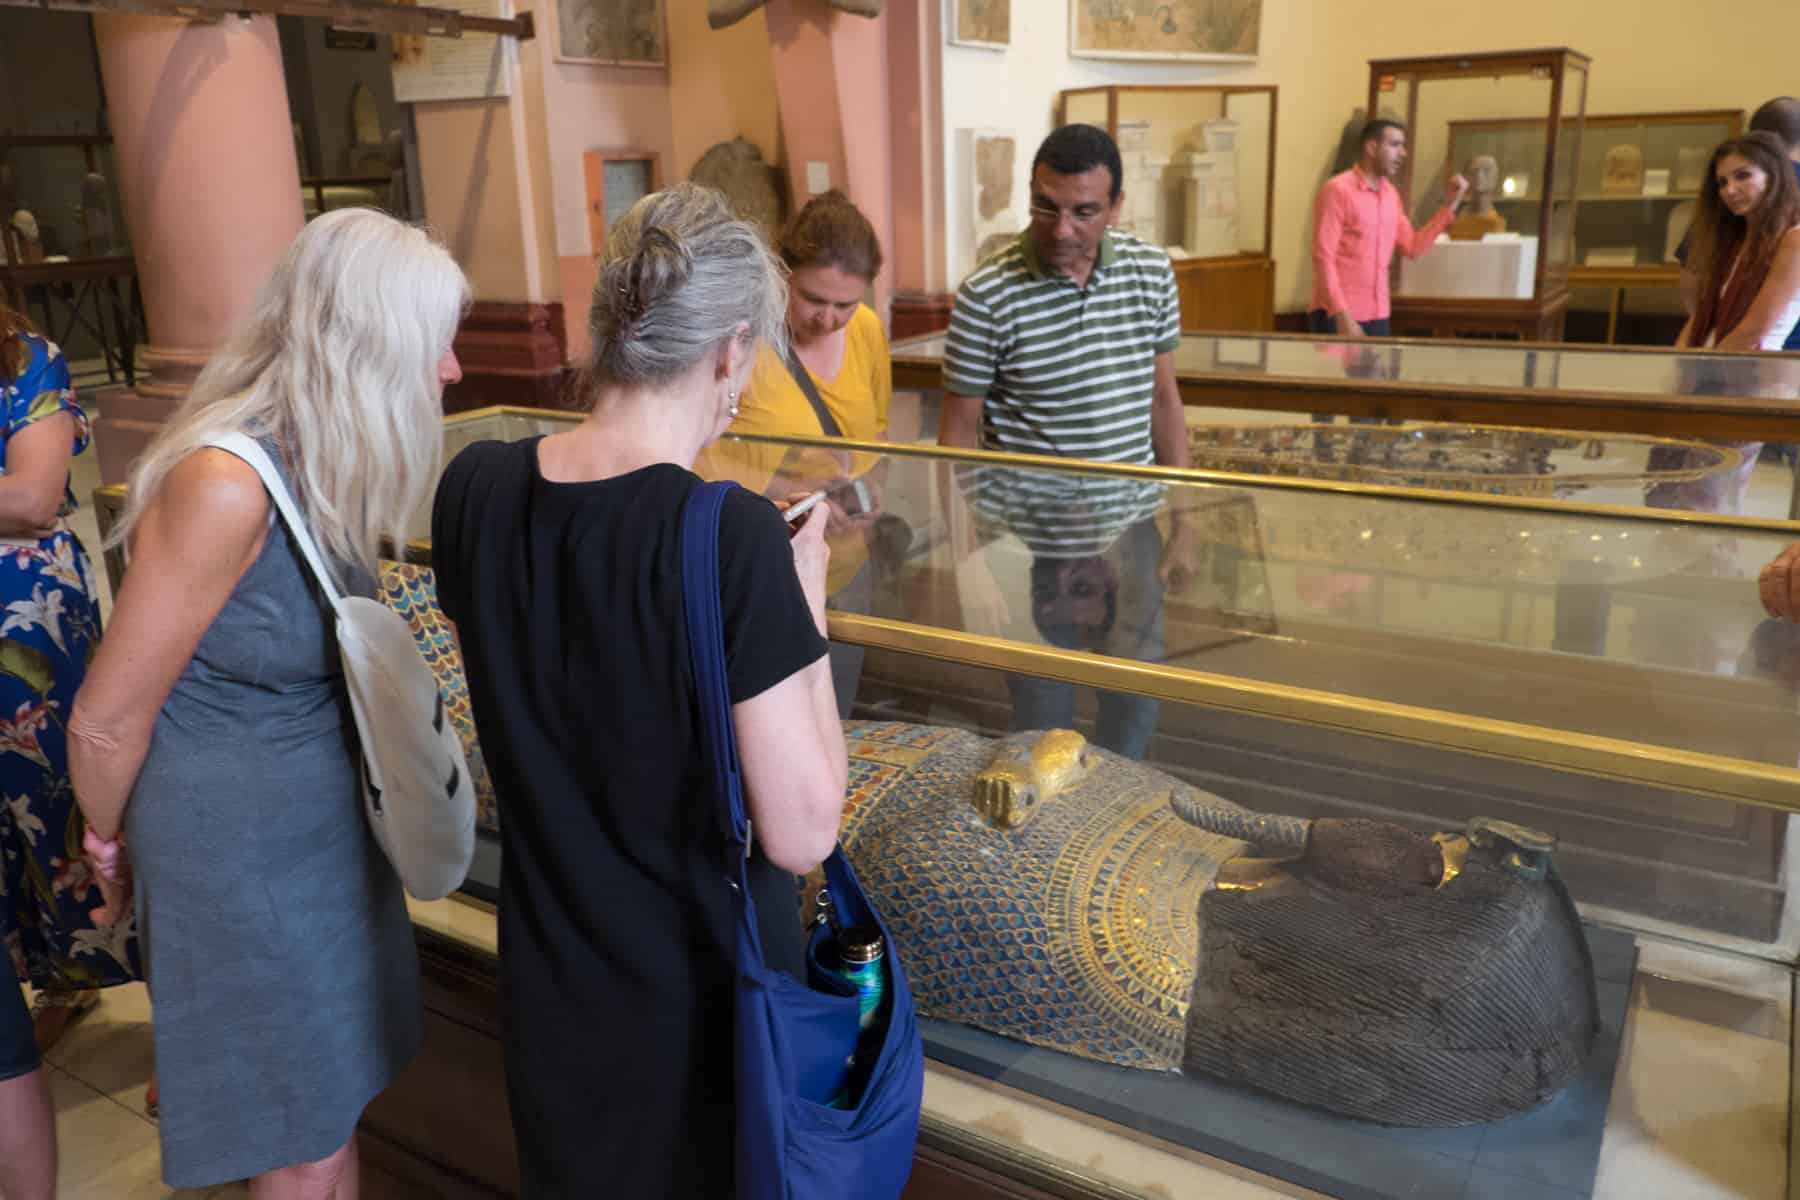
x,y
793,1037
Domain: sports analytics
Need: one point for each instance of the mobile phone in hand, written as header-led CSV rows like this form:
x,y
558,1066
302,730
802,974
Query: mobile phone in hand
x,y
794,512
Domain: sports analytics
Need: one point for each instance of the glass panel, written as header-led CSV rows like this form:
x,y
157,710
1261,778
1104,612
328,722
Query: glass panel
x,y
76,217
1119,915
1254,114
1487,365
1632,628
1566,184
1626,228
1486,262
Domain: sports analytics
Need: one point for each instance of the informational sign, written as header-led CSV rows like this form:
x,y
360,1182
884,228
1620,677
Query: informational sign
x,y
475,66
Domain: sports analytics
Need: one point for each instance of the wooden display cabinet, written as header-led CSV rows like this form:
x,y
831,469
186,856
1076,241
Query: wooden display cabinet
x,y
1626,232
1516,285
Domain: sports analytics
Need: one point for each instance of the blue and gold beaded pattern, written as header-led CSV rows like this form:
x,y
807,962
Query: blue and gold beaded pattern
x,y
411,591
1077,932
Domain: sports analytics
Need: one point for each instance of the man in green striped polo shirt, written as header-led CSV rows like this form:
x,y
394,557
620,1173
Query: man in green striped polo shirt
x,y
1063,344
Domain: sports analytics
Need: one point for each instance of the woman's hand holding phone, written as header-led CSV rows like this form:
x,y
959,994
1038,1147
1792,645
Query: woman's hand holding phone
x,y
807,514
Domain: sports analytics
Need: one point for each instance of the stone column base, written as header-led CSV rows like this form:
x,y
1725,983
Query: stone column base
x,y
511,353
135,416
915,314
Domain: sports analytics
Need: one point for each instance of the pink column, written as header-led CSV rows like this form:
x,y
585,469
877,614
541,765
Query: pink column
x,y
831,82
205,152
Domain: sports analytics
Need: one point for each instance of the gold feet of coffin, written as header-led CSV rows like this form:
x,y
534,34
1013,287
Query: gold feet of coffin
x,y
1024,778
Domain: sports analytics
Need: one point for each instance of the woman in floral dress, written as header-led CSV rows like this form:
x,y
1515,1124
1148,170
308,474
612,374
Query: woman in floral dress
x,y
49,624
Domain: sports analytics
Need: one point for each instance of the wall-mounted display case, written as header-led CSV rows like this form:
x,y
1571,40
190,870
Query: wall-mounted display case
x,y
1199,179
1544,701
1487,281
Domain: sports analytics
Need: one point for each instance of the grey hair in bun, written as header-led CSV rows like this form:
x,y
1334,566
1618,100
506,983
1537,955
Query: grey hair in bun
x,y
681,273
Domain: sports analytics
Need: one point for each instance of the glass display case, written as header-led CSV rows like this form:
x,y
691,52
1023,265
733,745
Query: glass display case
x,y
1534,703
1493,273
65,258
1654,398
1199,180
1636,181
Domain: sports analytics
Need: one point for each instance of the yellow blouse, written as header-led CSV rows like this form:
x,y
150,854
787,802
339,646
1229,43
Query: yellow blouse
x,y
774,405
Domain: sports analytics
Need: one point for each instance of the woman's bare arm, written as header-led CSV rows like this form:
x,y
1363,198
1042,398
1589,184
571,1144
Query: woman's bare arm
x,y
195,541
1773,299
37,476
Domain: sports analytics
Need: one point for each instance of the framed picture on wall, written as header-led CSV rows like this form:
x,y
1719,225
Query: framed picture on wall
x,y
616,180
612,33
1181,30
983,23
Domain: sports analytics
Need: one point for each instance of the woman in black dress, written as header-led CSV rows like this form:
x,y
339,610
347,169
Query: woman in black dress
x,y
559,559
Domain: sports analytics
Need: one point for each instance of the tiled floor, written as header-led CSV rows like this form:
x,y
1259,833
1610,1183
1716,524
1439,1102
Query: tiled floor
x,y
98,1072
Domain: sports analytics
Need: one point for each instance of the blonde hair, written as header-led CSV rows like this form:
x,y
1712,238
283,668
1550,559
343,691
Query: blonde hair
x,y
337,361
680,275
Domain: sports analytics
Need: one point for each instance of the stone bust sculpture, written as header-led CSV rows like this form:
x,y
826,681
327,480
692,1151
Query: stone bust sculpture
x,y
1479,217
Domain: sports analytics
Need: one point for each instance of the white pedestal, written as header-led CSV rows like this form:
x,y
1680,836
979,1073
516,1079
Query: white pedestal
x,y
1491,269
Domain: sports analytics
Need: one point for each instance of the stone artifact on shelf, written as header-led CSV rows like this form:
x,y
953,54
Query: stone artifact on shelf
x,y
1479,216
1690,168
1622,171
1681,217
753,186
992,158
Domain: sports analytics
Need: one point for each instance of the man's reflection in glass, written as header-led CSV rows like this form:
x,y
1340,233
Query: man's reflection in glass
x,y
1091,556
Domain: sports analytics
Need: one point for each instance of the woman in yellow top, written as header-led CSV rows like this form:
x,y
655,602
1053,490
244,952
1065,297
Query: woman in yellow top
x,y
838,352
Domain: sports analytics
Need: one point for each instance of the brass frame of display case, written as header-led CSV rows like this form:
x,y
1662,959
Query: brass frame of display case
x,y
1736,418
1548,304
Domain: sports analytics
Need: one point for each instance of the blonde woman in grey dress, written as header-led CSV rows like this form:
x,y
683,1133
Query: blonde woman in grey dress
x,y
213,729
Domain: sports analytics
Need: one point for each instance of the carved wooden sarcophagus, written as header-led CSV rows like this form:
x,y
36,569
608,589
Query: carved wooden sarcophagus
x,y
1046,890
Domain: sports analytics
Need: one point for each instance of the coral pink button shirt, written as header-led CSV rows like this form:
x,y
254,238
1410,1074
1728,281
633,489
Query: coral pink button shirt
x,y
1357,226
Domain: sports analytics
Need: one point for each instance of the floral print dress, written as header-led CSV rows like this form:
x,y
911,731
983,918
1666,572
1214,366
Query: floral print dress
x,y
49,630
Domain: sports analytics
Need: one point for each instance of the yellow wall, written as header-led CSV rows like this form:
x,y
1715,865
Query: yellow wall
x,y
721,86
1649,55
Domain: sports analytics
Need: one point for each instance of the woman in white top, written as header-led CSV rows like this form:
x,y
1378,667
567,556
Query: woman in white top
x,y
1746,256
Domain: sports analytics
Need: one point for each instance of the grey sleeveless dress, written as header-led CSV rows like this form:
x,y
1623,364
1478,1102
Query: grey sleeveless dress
x,y
284,981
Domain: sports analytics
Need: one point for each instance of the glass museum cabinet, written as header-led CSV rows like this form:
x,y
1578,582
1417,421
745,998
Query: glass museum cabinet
x,y
1503,673
1637,182
1199,180
1511,282
1605,425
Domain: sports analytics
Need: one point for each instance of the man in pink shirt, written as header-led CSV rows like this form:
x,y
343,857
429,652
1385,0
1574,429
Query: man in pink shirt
x,y
1358,223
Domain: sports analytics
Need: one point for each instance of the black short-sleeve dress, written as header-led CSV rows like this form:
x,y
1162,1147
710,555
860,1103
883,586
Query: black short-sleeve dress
x,y
615,920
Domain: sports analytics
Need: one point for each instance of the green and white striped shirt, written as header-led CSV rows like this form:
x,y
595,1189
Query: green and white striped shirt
x,y
1066,371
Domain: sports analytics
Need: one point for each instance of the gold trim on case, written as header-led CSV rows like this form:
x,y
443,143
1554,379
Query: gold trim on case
x,y
1588,754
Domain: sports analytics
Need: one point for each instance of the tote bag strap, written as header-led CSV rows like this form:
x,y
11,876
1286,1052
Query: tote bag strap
x,y
251,451
706,656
